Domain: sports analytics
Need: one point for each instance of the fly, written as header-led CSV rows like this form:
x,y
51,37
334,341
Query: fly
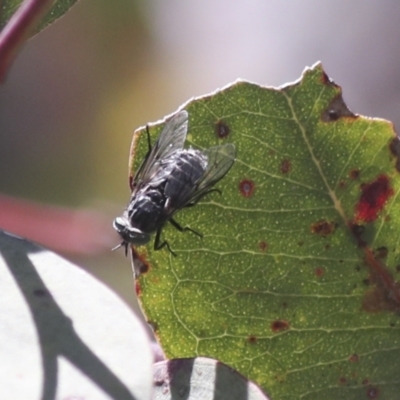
x,y
170,178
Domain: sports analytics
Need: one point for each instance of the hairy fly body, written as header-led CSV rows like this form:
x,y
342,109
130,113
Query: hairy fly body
x,y
169,179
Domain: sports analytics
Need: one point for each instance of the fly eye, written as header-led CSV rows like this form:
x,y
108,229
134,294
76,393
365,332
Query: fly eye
x,y
137,237
119,224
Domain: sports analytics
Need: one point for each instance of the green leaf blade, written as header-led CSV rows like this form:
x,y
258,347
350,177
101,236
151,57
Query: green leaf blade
x,y
289,285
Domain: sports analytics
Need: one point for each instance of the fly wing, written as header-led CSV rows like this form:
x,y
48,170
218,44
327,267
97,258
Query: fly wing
x,y
171,139
219,161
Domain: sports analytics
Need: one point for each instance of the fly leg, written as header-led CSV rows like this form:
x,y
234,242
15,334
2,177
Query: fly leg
x,y
132,182
158,245
148,140
183,229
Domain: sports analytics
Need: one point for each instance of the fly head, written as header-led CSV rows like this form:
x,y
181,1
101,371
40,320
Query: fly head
x,y
129,234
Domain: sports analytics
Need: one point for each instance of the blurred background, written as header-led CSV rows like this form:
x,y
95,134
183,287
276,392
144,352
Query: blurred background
x,y
79,89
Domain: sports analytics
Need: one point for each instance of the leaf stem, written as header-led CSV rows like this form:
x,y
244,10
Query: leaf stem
x,y
18,29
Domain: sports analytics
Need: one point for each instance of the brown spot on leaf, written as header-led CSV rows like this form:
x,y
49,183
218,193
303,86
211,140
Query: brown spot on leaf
x,y
319,271
323,227
337,109
381,252
246,187
365,381
384,295
342,380
354,174
354,358
279,325
325,78
394,147
397,268
140,264
153,326
327,246
374,196
286,166
222,129
300,244
342,184
263,246
252,339
357,231
372,392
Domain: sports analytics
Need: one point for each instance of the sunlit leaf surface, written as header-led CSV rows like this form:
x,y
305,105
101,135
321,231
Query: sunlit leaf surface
x,y
294,283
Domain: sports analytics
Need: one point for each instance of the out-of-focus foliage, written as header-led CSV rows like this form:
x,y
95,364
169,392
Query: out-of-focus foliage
x,y
59,8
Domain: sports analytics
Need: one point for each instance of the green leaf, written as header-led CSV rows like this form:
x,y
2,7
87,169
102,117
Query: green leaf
x,y
294,283
59,8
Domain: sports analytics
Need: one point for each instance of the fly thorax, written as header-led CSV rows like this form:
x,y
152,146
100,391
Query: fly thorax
x,y
146,212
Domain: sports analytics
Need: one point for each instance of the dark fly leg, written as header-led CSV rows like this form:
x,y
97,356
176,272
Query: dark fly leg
x,y
159,246
148,141
184,229
132,183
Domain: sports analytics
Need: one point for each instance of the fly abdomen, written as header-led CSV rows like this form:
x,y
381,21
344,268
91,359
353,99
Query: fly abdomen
x,y
188,167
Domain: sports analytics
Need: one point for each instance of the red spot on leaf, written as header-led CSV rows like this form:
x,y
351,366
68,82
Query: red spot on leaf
x,y
138,288
279,325
354,358
246,188
365,381
286,166
263,246
222,129
323,228
373,198
319,271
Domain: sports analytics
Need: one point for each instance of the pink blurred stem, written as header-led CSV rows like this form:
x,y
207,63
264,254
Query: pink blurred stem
x,y
80,232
